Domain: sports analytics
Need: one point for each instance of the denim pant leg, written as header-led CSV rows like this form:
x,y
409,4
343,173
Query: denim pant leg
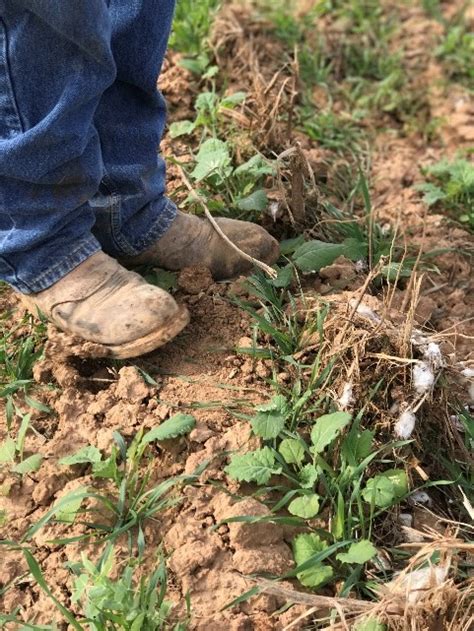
x,y
55,64
131,208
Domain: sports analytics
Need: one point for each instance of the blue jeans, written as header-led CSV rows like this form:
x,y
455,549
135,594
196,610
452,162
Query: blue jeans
x,y
80,125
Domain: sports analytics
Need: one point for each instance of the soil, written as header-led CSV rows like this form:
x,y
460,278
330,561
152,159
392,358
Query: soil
x,y
201,373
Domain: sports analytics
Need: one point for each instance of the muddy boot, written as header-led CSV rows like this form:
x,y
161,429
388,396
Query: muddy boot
x,y
102,302
192,241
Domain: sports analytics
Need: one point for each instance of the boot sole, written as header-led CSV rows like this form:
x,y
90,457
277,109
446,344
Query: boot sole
x,y
152,341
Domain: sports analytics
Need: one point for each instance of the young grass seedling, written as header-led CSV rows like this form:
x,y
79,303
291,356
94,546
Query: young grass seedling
x,y
21,346
124,602
129,470
12,449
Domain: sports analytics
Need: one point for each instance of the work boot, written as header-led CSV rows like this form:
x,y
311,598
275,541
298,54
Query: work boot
x,y
192,241
102,302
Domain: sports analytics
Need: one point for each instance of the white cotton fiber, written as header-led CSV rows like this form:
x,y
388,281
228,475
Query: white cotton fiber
x,y
420,497
423,377
418,583
346,398
434,356
365,311
405,425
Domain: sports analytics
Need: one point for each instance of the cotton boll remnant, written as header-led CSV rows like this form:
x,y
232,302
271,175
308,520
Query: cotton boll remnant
x,y
423,377
365,311
420,497
418,338
409,533
415,585
468,373
406,519
346,399
405,425
434,356
273,209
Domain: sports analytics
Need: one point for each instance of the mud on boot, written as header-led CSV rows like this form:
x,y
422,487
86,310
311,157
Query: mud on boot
x,y
192,241
101,301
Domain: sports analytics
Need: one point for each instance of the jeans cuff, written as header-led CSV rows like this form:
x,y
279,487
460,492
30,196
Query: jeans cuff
x,y
65,264
141,240
130,237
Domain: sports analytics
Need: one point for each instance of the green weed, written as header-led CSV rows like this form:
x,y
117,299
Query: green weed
x,y
209,107
336,132
133,499
451,186
122,603
191,29
231,190
21,346
457,52
12,449
359,239
326,460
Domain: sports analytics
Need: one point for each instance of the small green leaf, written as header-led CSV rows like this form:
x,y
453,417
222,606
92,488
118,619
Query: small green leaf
x,y
398,478
355,250
289,246
380,491
356,447
232,100
163,278
308,476
254,168
213,158
206,102
369,624
270,418
37,405
314,255
182,128
396,270
268,425
277,403
432,193
257,200
29,465
304,547
359,552
7,450
87,454
284,277
106,468
69,510
306,506
316,576
20,439
292,451
177,425
255,466
327,428
386,488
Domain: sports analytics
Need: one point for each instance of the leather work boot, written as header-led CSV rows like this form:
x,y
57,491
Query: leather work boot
x,y
192,241
100,301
